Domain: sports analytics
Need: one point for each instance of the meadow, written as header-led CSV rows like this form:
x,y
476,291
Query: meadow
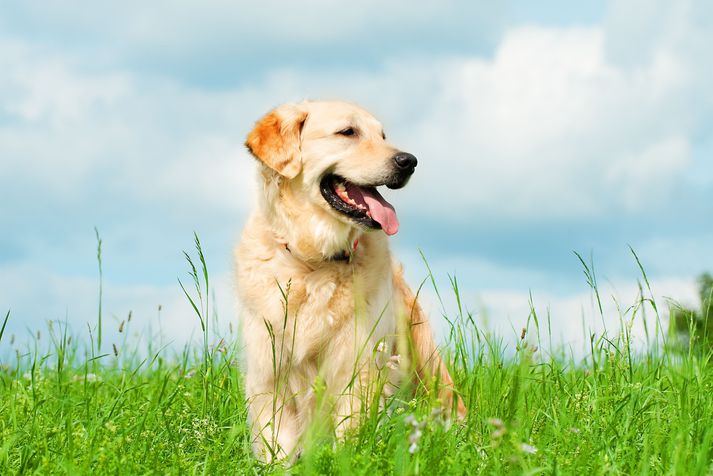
x,y
71,404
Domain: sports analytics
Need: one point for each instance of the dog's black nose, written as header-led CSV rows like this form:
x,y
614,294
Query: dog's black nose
x,y
405,161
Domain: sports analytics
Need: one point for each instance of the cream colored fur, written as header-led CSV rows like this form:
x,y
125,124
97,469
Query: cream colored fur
x,y
353,327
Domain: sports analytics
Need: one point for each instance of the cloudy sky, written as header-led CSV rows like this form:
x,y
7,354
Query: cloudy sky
x,y
541,128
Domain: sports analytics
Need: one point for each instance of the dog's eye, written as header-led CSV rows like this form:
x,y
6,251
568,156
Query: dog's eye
x,y
349,131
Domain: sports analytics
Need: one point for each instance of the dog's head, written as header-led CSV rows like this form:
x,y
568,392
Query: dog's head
x,y
332,156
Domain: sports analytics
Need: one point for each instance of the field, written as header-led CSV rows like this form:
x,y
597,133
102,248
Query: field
x,y
70,406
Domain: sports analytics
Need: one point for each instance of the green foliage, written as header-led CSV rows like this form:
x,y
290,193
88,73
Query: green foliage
x,y
526,416
694,329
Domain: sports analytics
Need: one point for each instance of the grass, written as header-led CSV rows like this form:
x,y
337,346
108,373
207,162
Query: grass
x,y
66,408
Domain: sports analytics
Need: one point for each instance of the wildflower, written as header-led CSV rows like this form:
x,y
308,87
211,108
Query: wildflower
x,y
90,378
500,428
189,374
574,430
93,378
415,434
496,422
529,449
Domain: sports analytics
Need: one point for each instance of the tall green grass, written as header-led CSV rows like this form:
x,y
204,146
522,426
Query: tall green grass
x,y
68,408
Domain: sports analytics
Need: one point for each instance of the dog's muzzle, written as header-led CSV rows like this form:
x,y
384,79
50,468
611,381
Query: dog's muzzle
x,y
404,167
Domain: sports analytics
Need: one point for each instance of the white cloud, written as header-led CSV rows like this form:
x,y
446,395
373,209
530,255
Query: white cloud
x,y
75,300
140,138
648,172
548,126
184,37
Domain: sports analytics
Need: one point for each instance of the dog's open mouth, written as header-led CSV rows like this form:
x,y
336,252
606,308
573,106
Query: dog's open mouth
x,y
363,204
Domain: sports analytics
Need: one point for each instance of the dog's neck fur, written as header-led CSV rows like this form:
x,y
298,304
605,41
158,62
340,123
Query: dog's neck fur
x,y
315,239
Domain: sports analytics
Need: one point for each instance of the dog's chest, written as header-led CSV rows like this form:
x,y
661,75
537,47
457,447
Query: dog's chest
x,y
352,295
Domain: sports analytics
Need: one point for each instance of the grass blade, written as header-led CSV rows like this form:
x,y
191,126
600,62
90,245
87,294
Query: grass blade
x,y
4,323
99,319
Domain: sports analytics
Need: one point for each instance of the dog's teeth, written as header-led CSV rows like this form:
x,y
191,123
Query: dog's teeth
x,y
341,190
342,193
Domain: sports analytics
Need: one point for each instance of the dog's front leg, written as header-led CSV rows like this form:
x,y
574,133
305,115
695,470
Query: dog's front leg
x,y
273,421
347,371
272,409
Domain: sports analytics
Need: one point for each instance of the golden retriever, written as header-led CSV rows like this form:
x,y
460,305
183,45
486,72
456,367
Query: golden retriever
x,y
323,304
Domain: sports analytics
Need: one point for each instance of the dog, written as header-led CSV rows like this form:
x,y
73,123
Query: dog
x,y
323,303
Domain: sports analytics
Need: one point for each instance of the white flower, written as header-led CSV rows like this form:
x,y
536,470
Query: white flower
x,y
90,377
93,378
415,434
496,422
528,448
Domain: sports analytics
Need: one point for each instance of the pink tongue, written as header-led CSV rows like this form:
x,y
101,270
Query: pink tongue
x,y
380,210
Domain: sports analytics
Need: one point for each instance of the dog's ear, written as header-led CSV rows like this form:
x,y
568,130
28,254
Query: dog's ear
x,y
275,140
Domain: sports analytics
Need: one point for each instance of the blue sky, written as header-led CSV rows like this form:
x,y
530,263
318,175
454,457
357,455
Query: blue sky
x,y
540,127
